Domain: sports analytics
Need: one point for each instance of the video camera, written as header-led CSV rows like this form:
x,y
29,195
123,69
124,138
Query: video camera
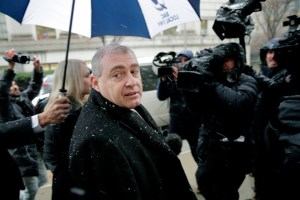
x,y
19,58
293,23
205,68
289,46
164,62
233,20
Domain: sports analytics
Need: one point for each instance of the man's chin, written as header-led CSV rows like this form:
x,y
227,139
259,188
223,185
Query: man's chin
x,y
133,105
15,95
272,65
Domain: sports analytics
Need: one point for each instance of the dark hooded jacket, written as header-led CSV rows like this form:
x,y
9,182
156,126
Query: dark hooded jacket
x,y
269,97
285,128
224,100
224,106
116,153
283,149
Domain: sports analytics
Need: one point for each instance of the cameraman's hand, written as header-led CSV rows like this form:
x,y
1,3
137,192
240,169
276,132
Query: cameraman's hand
x,y
175,72
10,54
37,64
247,69
55,113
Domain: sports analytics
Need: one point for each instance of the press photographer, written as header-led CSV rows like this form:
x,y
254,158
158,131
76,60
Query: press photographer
x,y
283,129
16,104
182,122
223,98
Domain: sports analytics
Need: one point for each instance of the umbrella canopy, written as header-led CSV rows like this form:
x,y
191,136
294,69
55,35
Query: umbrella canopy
x,y
142,18
90,18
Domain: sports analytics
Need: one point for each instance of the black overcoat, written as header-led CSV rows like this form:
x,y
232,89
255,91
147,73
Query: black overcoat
x,y
13,108
13,134
117,154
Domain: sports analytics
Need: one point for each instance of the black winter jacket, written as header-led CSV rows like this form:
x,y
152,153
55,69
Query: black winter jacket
x,y
283,133
115,154
167,89
13,108
56,152
268,100
227,108
13,134
182,120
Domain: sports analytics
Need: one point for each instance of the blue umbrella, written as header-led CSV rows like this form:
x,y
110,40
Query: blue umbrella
x,y
91,18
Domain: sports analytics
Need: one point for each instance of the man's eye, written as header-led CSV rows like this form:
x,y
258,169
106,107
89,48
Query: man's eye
x,y
117,75
135,72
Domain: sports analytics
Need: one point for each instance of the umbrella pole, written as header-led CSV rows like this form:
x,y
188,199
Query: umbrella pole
x,y
242,43
63,91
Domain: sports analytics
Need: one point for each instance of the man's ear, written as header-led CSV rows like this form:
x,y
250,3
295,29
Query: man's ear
x,y
94,82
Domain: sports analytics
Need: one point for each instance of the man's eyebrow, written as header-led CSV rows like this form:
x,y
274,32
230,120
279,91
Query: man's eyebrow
x,y
135,65
117,67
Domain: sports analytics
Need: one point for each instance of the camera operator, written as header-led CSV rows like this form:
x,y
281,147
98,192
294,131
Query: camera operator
x,y
17,105
282,135
276,125
182,122
273,85
223,98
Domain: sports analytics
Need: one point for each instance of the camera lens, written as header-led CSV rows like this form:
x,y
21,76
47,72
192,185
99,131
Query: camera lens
x,y
21,59
24,59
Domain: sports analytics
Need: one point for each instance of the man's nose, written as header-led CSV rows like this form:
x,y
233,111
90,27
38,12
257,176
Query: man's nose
x,y
131,80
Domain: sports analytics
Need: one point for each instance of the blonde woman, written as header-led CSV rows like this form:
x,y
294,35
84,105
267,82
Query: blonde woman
x,y
57,137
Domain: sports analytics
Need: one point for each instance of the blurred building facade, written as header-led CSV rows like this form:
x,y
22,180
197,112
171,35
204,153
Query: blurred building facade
x,y
50,44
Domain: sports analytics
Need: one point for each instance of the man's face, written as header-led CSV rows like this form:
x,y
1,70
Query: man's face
x,y
228,71
270,59
183,60
227,66
14,90
120,81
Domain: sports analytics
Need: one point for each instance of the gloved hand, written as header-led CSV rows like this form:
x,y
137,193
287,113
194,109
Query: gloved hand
x,y
175,142
282,77
247,69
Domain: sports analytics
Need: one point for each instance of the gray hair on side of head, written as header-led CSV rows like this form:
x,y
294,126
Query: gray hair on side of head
x,y
105,50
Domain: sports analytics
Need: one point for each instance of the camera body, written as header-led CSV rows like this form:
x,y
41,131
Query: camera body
x,y
206,68
164,62
233,18
289,46
20,58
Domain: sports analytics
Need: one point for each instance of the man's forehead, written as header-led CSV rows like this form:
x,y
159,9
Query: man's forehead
x,y
119,60
128,56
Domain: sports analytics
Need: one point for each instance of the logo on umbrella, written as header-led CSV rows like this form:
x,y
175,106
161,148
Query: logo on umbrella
x,y
159,4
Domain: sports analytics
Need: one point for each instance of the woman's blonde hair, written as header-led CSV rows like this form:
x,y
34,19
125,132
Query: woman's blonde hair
x,y
73,83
